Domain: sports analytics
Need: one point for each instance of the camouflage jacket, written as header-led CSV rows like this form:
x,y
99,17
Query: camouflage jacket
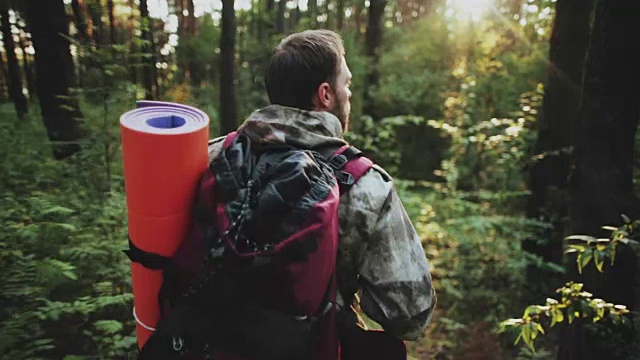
x,y
380,255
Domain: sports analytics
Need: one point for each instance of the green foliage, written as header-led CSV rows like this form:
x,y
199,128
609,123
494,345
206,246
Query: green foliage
x,y
64,276
379,140
489,154
587,248
415,69
473,246
576,304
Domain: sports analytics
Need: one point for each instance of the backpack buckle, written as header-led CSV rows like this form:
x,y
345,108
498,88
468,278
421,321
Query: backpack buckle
x,y
345,178
338,161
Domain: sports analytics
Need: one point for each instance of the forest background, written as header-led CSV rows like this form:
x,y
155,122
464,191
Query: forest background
x,y
509,126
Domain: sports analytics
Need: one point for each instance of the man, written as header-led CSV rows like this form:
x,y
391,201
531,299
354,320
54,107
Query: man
x,y
380,255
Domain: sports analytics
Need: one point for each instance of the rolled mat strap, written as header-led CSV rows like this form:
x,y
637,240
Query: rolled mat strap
x,y
147,259
135,316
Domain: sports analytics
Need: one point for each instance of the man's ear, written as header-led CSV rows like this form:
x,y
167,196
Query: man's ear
x,y
322,98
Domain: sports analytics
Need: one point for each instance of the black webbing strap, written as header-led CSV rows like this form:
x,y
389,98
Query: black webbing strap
x,y
147,259
168,289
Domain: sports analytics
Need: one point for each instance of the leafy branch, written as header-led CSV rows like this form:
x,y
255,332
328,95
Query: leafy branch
x,y
601,249
575,303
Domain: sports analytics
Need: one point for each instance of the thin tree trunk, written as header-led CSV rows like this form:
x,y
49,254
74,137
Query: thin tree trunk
x,y
340,14
601,185
549,173
313,12
372,45
328,24
191,29
357,20
228,112
147,51
15,77
95,12
4,92
280,23
80,22
179,10
54,75
112,22
133,49
26,67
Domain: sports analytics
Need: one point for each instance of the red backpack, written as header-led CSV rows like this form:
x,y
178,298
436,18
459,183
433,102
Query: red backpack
x,y
267,224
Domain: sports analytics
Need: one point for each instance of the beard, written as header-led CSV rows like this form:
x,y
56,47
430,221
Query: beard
x,y
341,110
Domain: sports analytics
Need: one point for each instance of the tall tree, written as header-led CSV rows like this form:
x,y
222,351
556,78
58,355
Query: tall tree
x,y
228,111
96,30
79,19
601,184
26,63
191,18
549,173
313,12
372,46
280,23
340,4
148,63
112,22
15,76
54,75
3,81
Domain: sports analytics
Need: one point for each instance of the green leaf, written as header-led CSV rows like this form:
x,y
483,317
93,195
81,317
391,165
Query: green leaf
x,y
598,257
583,259
557,317
66,226
585,238
58,210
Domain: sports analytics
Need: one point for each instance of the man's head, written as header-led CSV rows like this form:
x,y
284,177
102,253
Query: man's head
x,y
308,71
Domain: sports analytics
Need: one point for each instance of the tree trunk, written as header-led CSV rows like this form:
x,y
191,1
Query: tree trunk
x,y
54,75
357,19
601,184
340,15
26,67
191,23
313,12
15,77
282,7
4,92
548,177
81,24
147,51
132,60
96,32
372,45
178,11
227,68
112,22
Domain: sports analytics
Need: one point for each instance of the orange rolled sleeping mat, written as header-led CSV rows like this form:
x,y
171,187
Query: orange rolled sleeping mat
x,y
164,152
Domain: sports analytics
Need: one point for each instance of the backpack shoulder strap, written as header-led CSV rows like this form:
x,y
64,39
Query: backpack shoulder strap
x,y
349,164
229,139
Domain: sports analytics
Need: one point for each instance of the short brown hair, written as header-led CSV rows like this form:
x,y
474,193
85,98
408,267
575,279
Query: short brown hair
x,y
299,64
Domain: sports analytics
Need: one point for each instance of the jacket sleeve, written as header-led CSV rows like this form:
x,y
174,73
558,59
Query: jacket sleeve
x,y
392,271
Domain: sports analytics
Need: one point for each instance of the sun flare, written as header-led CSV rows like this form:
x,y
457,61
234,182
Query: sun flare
x,y
465,9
